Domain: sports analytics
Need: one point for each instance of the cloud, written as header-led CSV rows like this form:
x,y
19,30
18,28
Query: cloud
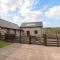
x,y
17,20
25,10
25,14
6,6
11,5
53,12
2,1
33,16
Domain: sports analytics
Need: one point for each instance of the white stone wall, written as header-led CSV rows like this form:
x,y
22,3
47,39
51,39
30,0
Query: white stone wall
x,y
11,31
3,31
39,34
17,33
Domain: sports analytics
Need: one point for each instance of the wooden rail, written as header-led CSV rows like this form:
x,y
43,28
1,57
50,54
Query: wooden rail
x,y
33,39
51,42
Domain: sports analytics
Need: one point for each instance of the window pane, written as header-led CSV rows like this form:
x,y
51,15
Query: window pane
x,y
36,31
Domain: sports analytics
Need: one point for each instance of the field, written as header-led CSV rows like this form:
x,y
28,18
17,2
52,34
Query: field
x,y
52,32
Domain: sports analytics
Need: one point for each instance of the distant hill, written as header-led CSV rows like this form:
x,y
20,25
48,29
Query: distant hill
x,y
52,32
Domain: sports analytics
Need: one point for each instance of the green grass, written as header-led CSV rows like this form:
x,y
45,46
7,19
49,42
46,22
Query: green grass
x,y
4,43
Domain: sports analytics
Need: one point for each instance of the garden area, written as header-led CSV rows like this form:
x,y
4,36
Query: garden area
x,y
4,43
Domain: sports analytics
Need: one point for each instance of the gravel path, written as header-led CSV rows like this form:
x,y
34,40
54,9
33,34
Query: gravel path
x,y
18,51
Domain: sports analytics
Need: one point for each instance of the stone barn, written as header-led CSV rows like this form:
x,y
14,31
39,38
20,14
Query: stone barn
x,y
32,29
9,28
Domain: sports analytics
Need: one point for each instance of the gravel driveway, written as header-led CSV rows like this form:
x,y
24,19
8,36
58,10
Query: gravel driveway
x,y
18,51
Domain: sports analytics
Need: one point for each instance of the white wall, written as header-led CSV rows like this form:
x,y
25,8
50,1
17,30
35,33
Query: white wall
x,y
17,33
3,31
11,31
39,34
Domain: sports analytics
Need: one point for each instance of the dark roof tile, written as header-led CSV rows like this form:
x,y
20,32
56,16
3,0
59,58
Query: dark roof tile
x,y
7,24
32,24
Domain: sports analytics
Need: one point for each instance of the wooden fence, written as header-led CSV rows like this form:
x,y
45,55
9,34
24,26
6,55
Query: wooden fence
x,y
45,40
10,38
51,41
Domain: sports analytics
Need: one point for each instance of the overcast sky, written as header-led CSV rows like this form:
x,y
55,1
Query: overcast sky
x,y
18,11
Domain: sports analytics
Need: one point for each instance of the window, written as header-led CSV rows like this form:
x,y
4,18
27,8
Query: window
x,y
35,31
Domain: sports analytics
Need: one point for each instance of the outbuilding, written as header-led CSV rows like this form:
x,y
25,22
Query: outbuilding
x,y
32,28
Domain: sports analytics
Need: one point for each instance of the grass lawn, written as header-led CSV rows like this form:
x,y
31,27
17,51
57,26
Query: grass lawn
x,y
4,43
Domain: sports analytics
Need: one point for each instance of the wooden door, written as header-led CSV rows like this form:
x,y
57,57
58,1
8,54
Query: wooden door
x,y
28,33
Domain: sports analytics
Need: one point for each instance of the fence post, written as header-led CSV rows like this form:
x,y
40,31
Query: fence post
x,y
57,39
0,35
20,36
30,39
45,39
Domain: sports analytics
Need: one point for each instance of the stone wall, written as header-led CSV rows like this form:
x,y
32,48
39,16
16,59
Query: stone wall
x,y
18,33
3,31
39,33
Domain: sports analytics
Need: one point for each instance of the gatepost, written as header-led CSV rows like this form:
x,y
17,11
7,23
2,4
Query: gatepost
x,y
45,39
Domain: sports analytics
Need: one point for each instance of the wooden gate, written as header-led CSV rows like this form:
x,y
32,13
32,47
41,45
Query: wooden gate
x,y
48,41
24,39
31,40
45,40
36,40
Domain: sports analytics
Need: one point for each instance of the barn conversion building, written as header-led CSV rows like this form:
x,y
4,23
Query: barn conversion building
x,y
26,29
31,32
9,28
32,28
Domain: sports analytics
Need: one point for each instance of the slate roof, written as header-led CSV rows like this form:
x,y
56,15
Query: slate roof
x,y
32,24
7,24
